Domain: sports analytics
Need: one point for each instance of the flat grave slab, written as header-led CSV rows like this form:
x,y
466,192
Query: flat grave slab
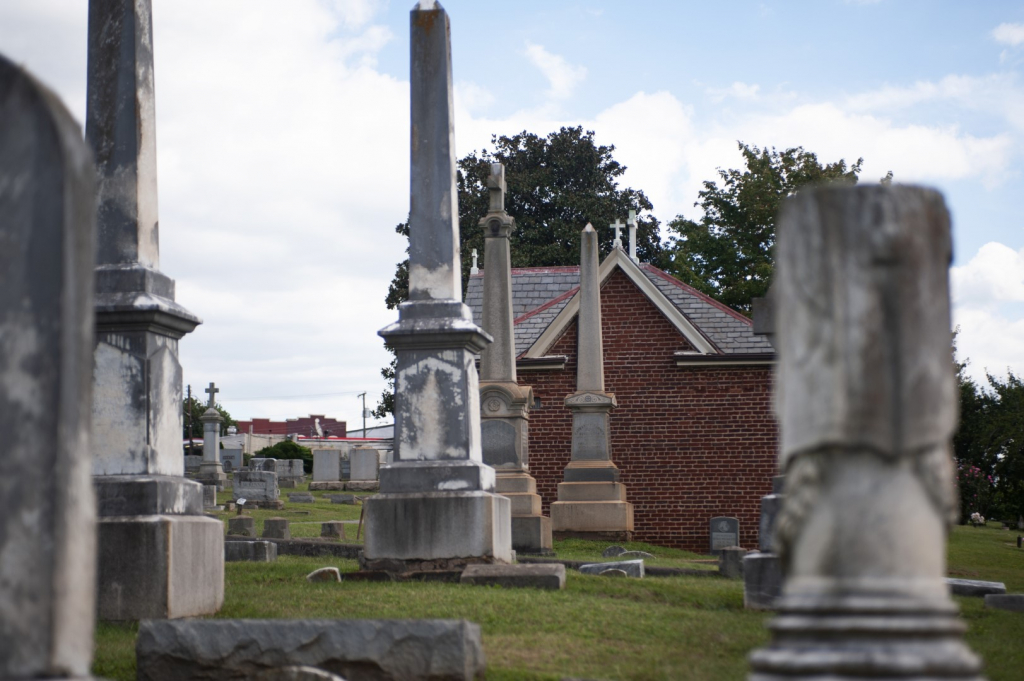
x,y
535,576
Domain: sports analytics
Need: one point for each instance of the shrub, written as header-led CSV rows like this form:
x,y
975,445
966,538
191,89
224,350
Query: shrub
x,y
286,449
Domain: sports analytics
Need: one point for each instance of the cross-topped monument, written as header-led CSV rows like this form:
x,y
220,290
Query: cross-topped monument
x,y
617,225
212,392
436,505
506,405
631,222
474,269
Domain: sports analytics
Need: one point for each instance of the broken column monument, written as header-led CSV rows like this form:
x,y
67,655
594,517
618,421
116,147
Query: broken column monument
x,y
591,500
48,523
159,556
437,508
505,405
867,405
211,472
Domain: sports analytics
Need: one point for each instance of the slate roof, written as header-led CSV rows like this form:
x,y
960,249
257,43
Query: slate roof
x,y
540,293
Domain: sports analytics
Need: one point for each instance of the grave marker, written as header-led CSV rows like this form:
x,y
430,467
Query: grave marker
x,y
725,532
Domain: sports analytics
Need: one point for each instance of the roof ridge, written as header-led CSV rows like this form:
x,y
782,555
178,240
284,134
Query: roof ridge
x,y
553,301
692,291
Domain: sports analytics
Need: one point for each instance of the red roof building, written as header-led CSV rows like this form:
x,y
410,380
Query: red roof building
x,y
305,425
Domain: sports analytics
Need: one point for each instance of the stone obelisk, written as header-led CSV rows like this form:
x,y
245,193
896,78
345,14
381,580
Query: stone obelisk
x,y
591,501
159,556
867,405
437,508
48,524
505,405
211,470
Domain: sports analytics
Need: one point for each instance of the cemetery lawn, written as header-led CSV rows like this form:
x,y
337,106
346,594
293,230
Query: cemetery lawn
x,y
599,628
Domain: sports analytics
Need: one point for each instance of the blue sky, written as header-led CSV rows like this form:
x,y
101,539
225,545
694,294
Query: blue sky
x,y
283,144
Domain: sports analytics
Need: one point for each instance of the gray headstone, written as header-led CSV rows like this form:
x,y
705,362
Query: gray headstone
x,y
730,562
48,519
326,465
192,463
499,442
632,568
276,528
974,587
232,459
725,532
762,581
252,551
771,504
255,486
209,496
365,464
412,650
300,498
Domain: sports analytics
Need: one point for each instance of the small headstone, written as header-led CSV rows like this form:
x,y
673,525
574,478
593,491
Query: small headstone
x,y
365,464
287,483
192,463
250,551
536,575
276,528
327,486
1010,602
291,469
231,459
242,526
326,465
725,532
762,580
335,529
300,498
349,499
325,574
771,504
614,572
730,562
632,568
613,551
974,587
209,496
256,486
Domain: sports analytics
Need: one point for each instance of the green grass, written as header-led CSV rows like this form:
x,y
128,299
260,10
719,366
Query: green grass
x,y
600,628
305,518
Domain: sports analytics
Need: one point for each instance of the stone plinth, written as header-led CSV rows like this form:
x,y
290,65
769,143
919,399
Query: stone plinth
x,y
211,471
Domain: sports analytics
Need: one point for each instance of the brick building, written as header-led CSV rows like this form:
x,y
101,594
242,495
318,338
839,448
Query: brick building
x,y
305,426
693,435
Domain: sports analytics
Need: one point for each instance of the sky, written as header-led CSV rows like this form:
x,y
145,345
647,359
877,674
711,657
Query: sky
x,y
283,145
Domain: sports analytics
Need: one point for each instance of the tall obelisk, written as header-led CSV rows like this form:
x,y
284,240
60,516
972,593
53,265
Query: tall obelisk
x,y
159,555
437,508
505,415
591,500
866,398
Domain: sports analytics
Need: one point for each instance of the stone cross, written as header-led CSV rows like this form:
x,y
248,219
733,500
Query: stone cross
x,y
617,225
867,406
496,188
631,221
212,392
474,269
48,523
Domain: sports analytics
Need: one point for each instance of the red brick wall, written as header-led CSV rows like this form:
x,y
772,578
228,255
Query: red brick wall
x,y
299,426
691,443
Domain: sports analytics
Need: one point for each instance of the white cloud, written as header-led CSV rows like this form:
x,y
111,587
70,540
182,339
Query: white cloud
x,y
737,90
562,76
987,295
1009,34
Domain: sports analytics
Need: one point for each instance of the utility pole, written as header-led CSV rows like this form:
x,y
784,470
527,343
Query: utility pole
x,y
365,413
188,418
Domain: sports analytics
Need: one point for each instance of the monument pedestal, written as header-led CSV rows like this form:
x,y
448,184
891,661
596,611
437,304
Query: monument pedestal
x,y
176,566
531,531
212,474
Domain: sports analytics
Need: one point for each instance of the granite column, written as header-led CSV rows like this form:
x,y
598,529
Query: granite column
x,y
505,415
591,500
437,508
159,556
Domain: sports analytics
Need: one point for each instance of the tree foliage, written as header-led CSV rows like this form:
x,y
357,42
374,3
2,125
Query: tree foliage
x,y
727,252
194,408
555,186
287,449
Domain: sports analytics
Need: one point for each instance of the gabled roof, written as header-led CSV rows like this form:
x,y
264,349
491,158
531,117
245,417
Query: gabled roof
x,y
545,301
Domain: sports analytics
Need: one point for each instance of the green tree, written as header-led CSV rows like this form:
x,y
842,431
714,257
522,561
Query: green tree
x,y
194,408
727,252
287,449
555,186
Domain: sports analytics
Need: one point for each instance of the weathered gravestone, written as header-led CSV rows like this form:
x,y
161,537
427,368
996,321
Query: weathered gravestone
x,y
192,463
231,459
437,505
292,470
152,531
211,472
326,465
48,518
866,400
365,467
505,405
257,487
591,500
724,532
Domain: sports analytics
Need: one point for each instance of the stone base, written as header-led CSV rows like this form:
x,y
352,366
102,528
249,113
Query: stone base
x,y
532,534
160,567
362,485
523,504
762,581
591,491
877,635
592,517
472,527
212,474
610,536
327,486
540,576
